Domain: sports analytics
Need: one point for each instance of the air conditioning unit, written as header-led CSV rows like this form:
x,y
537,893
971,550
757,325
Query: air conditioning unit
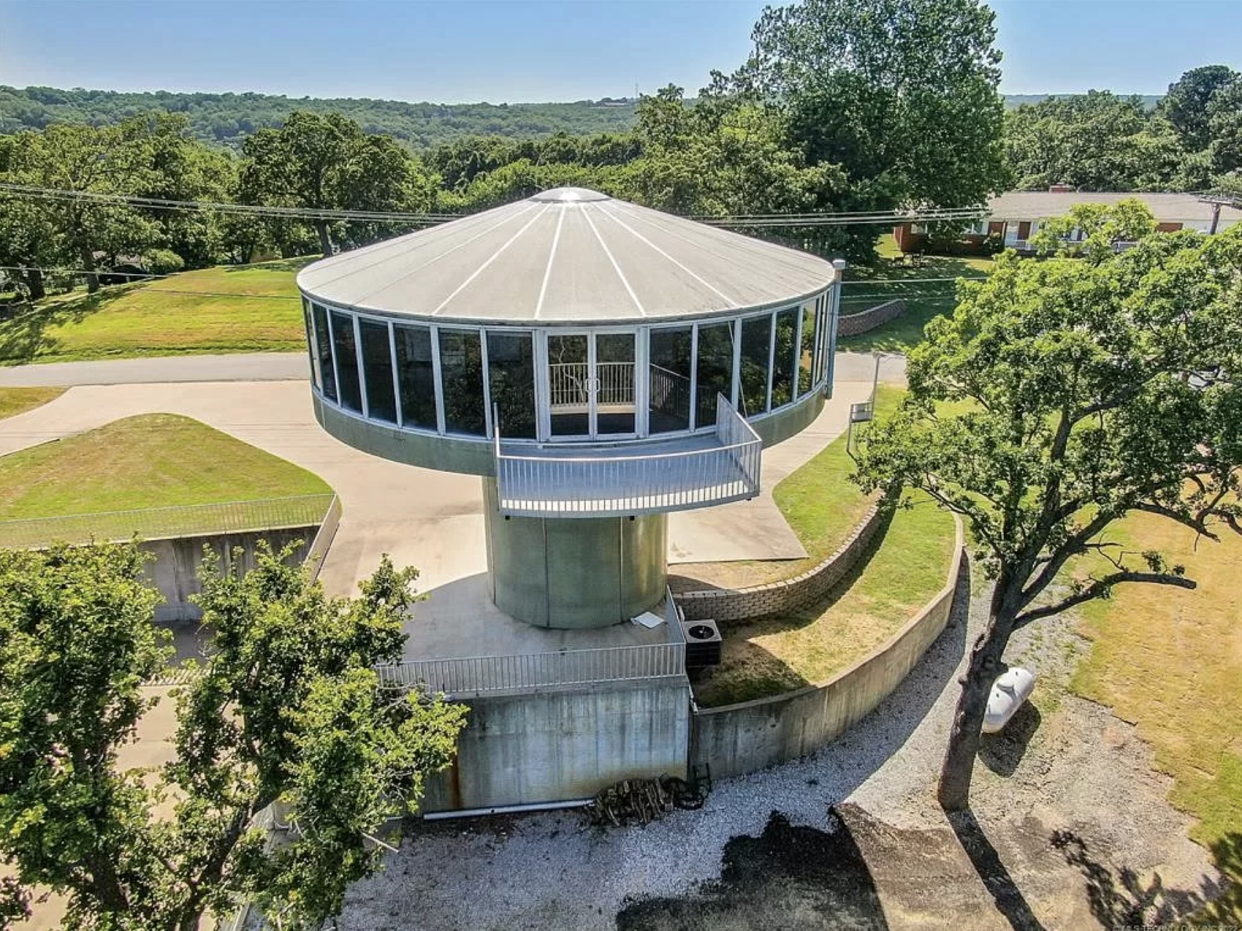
x,y
703,643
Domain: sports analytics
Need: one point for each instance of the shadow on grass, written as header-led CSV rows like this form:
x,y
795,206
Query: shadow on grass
x,y
23,332
276,265
1122,900
792,877
1001,753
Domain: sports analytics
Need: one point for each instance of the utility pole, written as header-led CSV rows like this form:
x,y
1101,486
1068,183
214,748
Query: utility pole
x,y
1215,217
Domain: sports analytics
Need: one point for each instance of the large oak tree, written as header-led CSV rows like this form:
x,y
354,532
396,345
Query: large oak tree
x,y
1059,397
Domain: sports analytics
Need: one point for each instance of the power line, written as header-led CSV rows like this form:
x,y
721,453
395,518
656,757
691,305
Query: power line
x,y
757,220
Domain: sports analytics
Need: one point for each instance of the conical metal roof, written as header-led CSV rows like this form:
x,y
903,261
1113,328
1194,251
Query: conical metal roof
x,y
566,256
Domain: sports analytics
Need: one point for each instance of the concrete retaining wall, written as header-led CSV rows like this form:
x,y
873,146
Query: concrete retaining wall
x,y
734,605
752,735
564,745
175,569
853,324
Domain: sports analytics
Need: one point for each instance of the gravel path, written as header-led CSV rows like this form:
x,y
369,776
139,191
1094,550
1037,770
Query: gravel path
x,y
553,871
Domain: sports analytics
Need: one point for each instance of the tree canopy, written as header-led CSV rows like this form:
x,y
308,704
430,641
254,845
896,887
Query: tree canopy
x,y
1060,396
286,709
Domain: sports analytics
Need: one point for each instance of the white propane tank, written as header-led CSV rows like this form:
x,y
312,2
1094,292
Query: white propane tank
x,y
1009,691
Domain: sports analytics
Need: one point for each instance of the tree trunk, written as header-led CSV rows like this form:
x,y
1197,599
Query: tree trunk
x,y
325,240
34,283
88,266
953,792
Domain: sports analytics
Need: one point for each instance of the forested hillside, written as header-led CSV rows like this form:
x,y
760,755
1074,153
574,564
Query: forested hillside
x,y
226,119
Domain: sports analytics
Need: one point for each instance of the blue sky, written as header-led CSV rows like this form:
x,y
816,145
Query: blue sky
x,y
526,51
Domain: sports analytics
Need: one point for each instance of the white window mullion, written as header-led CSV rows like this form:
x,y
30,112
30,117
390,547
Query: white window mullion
x,y
488,426
362,374
439,380
336,369
694,377
396,382
771,357
737,362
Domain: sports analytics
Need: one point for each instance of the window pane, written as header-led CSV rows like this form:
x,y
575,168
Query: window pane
x,y
323,349
614,383
417,377
310,344
715,371
806,357
377,368
669,395
756,348
784,361
461,376
346,361
511,379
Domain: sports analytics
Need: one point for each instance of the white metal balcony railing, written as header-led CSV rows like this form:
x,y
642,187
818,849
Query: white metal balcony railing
x,y
473,676
576,480
482,675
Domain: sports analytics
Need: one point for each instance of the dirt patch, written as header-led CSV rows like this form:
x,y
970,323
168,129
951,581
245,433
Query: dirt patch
x,y
787,877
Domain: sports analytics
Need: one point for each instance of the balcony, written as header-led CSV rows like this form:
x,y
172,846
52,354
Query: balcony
x,y
575,480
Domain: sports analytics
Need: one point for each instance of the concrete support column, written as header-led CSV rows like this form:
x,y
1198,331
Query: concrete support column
x,y
574,572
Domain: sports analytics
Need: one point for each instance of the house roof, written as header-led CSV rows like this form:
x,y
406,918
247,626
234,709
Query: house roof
x,y
568,255
1167,208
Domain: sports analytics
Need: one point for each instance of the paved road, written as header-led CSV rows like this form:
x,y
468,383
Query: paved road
x,y
256,366
285,366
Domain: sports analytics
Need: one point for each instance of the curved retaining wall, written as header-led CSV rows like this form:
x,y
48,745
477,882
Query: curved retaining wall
x,y
727,606
853,324
752,735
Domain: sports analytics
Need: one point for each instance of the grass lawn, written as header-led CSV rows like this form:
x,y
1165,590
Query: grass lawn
x,y
886,280
785,652
819,502
149,461
222,309
1170,661
14,401
901,574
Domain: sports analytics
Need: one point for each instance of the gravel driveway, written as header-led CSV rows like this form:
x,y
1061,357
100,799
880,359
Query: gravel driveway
x,y
1078,770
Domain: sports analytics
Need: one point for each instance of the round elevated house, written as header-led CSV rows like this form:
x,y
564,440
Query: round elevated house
x,y
600,364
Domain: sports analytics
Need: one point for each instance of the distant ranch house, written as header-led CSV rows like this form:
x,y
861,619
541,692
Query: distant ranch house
x,y
1015,216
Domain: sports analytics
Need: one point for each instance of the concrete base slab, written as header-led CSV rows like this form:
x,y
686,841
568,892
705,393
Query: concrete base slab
x,y
459,619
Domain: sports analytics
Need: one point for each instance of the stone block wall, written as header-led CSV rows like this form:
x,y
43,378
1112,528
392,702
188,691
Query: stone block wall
x,y
731,606
853,324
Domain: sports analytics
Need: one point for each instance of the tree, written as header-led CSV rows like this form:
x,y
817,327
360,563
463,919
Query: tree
x,y
1188,103
326,162
901,95
286,709
1061,396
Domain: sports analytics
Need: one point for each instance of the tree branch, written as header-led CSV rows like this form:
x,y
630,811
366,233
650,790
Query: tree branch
x,y
1099,588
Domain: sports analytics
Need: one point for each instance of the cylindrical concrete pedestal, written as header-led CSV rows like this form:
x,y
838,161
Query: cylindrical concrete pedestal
x,y
574,572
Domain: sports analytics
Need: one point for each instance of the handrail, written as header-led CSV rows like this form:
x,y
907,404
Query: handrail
x,y
178,520
476,675
636,481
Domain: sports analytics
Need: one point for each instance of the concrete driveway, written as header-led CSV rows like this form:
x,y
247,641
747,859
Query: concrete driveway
x,y
432,520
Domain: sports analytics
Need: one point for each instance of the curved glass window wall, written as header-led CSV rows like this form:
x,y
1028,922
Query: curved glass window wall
x,y
564,385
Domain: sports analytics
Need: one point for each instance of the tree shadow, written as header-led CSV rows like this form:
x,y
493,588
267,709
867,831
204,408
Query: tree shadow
x,y
1010,901
1226,904
1121,899
276,265
792,877
24,332
1001,753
